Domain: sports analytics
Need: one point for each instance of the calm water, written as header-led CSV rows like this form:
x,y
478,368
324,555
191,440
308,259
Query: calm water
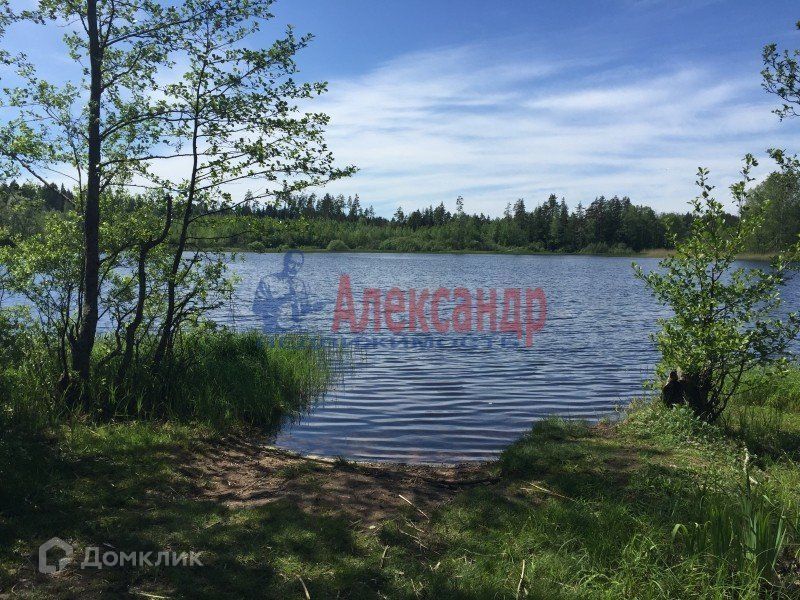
x,y
454,403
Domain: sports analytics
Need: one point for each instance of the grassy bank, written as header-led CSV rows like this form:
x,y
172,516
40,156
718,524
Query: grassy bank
x,y
510,251
656,506
216,377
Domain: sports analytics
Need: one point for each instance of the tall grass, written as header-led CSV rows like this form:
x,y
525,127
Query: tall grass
x,y
223,378
770,387
27,375
738,523
216,377
742,536
765,412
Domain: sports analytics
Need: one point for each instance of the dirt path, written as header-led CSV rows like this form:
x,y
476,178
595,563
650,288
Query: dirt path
x,y
243,472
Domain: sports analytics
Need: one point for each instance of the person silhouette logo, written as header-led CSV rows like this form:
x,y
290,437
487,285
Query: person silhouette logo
x,y
282,299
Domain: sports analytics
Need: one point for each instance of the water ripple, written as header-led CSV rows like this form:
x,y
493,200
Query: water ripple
x,y
455,404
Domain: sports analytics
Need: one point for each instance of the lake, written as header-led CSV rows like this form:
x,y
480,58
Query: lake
x,y
450,397
454,396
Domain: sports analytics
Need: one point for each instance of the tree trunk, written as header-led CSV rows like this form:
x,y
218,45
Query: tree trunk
x,y
697,390
141,275
85,338
167,331
133,326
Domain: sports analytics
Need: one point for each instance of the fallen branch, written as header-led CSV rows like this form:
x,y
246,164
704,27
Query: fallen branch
x,y
305,589
383,556
521,579
415,506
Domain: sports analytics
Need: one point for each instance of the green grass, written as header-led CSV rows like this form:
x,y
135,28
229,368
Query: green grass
x,y
122,485
218,377
657,506
765,414
226,379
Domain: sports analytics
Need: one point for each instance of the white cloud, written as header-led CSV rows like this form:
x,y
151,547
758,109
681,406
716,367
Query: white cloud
x,y
427,127
494,123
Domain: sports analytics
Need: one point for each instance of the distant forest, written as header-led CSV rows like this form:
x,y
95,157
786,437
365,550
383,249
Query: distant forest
x,y
604,226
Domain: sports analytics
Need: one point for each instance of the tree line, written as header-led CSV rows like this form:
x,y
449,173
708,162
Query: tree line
x,y
605,226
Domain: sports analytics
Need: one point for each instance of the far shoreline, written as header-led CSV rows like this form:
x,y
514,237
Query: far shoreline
x,y
651,253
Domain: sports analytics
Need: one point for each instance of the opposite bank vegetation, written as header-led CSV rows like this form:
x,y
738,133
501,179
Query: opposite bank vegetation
x,y
607,226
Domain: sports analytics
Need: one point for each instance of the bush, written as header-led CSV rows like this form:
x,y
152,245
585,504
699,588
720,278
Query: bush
x,y
256,246
620,249
725,319
338,246
535,247
601,248
596,248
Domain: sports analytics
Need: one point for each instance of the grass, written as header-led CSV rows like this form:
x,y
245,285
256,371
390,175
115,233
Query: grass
x,y
219,378
226,379
592,512
765,415
123,486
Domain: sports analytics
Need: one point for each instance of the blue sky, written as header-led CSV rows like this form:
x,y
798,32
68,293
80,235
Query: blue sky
x,y
496,101
510,99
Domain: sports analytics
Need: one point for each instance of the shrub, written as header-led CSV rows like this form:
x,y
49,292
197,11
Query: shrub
x,y
401,244
337,246
256,246
535,247
620,249
724,321
602,248
595,248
